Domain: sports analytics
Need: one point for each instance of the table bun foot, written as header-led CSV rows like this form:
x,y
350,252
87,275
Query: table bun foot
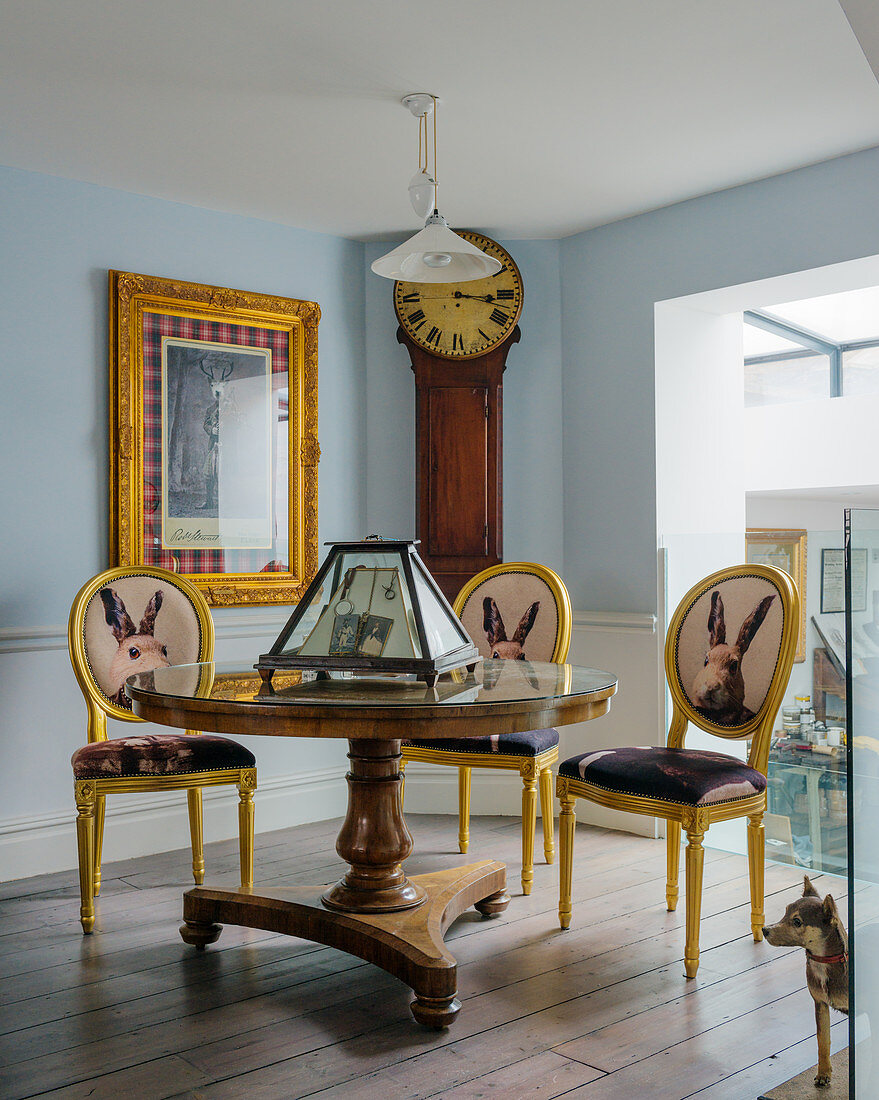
x,y
199,934
435,1012
494,904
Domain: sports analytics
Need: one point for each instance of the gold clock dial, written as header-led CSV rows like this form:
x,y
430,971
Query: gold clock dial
x,y
463,320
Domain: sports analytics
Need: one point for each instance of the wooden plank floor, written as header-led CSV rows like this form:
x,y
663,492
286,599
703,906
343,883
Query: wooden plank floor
x,y
601,1011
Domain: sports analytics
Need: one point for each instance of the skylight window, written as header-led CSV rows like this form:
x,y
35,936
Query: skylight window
x,y
813,349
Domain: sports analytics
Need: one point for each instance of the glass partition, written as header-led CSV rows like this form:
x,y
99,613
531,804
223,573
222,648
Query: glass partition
x,y
862,698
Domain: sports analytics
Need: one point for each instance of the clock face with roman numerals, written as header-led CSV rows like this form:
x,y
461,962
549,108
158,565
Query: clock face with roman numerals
x,y
463,320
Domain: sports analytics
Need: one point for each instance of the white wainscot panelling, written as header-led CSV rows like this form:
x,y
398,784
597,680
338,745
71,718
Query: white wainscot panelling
x,y
625,644
43,721
42,716
622,643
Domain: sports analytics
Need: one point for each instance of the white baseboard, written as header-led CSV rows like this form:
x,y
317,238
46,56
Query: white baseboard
x,y
145,825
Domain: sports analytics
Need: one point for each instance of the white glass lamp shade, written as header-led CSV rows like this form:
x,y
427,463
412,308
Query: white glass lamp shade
x,y
436,255
422,193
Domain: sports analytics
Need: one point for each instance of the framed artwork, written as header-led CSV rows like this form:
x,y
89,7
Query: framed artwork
x,y
213,436
833,580
785,550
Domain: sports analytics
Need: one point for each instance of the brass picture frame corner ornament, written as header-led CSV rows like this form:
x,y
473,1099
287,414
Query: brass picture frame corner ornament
x,y
213,401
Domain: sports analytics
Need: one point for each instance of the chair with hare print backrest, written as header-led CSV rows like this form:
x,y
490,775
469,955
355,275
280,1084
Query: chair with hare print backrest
x,y
136,619
728,656
518,611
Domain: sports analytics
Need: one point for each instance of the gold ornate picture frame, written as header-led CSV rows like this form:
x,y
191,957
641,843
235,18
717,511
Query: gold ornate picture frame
x,y
213,436
785,549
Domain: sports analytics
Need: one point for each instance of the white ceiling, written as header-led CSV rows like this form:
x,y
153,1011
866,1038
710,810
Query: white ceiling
x,y
555,116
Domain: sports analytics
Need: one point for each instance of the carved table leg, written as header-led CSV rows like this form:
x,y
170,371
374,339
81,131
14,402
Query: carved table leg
x,y
200,933
435,1012
374,839
494,904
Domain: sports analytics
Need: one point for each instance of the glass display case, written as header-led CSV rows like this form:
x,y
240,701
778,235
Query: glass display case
x,y
372,608
807,797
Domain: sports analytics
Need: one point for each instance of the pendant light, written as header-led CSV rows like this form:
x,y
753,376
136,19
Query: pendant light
x,y
435,254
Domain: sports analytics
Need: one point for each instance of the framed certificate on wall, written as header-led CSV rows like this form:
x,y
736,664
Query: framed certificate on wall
x,y
833,580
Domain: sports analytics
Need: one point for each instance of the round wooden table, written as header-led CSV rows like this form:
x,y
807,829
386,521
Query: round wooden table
x,y
374,912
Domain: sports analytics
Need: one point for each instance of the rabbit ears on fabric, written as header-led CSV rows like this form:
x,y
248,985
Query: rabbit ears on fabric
x,y
120,621
493,624
717,624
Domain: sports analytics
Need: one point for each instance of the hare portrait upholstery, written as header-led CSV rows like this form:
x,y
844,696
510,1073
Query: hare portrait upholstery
x,y
518,611
728,655
129,620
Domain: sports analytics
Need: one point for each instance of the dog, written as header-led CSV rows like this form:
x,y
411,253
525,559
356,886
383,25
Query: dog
x,y
815,925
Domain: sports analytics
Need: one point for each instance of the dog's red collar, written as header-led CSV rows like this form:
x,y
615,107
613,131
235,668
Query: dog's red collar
x,y
841,958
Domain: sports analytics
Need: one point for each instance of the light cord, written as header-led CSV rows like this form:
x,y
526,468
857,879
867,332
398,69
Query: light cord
x,y
435,172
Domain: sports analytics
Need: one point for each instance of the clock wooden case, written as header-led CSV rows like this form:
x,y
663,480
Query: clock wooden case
x,y
458,336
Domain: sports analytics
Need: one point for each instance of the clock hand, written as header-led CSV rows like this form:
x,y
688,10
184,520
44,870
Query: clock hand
x,y
475,297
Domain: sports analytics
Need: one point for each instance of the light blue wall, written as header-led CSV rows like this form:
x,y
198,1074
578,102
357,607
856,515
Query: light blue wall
x,y
611,277
533,483
58,238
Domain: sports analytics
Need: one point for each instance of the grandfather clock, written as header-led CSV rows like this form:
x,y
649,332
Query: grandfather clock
x,y
458,336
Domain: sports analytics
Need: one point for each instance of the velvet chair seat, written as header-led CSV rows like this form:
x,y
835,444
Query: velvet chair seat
x,y
529,743
159,754
689,777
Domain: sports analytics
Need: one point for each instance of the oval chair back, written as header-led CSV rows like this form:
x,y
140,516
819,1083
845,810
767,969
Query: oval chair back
x,y
728,655
134,619
127,620
517,611
499,609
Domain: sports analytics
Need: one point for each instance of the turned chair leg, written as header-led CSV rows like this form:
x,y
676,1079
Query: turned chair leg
x,y
695,858
567,821
246,787
547,812
100,803
193,797
673,854
756,862
529,823
84,793
402,783
463,809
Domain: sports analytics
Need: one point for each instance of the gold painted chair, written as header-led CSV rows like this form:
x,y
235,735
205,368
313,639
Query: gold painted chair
x,y
729,688
534,598
105,649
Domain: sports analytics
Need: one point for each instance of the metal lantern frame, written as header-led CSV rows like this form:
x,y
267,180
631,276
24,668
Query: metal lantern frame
x,y
427,668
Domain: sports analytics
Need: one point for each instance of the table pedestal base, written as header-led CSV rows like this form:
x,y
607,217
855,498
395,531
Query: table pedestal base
x,y
407,943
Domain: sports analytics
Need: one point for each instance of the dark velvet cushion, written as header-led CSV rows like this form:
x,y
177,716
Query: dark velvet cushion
x,y
691,777
150,754
531,743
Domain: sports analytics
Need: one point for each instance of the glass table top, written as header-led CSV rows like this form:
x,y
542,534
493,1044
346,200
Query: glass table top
x,y
493,682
